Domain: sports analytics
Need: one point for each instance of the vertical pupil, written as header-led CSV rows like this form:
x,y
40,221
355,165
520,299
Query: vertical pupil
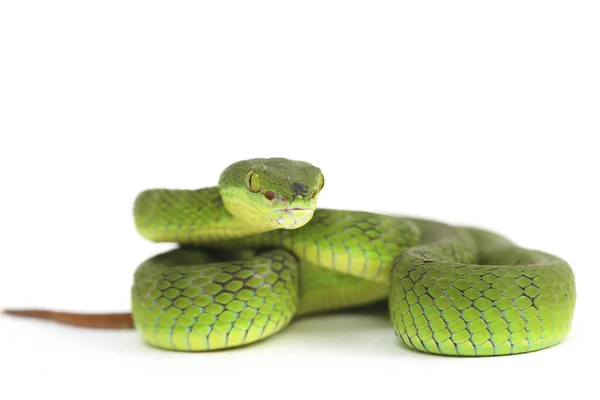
x,y
253,181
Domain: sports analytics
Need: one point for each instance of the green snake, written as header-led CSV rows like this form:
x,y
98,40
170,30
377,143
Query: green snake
x,y
254,253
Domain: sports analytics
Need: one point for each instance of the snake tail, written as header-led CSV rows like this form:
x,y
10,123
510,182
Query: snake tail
x,y
85,320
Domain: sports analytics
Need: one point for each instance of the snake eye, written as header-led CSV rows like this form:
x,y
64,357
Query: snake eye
x,y
321,182
253,182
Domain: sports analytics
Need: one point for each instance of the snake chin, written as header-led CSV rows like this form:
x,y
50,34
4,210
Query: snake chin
x,y
293,218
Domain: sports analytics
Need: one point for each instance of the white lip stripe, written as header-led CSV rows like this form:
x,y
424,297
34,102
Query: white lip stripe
x,y
289,210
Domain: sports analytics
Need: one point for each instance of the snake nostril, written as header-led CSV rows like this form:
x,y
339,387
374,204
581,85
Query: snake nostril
x,y
299,188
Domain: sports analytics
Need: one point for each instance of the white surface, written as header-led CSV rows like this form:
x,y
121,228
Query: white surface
x,y
464,112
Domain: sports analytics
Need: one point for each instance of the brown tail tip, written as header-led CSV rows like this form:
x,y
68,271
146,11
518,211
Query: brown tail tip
x,y
98,321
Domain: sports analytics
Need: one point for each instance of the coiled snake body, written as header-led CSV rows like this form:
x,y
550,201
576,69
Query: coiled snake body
x,y
255,252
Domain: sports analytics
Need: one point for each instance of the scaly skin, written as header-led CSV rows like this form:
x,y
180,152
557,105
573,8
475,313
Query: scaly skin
x,y
255,254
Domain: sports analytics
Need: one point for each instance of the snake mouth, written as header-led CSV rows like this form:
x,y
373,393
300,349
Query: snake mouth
x,y
296,209
288,210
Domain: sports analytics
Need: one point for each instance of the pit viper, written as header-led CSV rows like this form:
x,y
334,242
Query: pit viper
x,y
254,253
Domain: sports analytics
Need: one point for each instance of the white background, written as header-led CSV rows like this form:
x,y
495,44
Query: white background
x,y
466,112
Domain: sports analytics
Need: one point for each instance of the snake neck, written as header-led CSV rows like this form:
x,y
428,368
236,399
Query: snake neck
x,y
191,217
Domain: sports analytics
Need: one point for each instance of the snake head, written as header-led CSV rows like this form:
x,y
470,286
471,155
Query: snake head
x,y
271,193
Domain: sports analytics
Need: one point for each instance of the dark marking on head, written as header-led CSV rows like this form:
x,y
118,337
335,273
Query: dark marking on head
x,y
299,189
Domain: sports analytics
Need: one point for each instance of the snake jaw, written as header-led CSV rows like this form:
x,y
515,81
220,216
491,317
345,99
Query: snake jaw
x,y
294,214
292,218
